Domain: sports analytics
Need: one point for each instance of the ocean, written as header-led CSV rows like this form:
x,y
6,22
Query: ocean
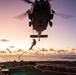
x,y
5,58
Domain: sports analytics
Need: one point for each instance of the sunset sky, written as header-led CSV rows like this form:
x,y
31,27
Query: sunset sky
x,y
61,36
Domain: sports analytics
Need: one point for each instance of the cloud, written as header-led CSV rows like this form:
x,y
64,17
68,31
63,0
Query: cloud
x,y
73,51
44,49
11,46
4,40
51,49
8,50
61,51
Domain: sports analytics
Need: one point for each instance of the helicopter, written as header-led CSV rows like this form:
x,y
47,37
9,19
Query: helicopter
x,y
41,15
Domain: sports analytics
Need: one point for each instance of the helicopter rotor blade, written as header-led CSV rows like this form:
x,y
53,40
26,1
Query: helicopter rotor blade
x,y
66,16
50,0
28,1
22,16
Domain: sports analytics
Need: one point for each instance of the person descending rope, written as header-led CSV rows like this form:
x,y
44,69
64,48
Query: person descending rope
x,y
33,44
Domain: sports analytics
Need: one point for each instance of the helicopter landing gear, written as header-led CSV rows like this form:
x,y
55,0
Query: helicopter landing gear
x,y
30,16
30,24
50,23
51,16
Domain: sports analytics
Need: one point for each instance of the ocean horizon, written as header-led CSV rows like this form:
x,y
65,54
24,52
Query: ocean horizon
x,y
5,58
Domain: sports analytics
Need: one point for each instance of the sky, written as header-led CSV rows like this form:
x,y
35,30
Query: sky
x,y
61,36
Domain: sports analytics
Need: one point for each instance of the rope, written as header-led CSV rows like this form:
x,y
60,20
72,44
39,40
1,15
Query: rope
x,y
34,43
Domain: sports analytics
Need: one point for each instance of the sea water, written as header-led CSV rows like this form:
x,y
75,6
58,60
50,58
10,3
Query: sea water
x,y
5,58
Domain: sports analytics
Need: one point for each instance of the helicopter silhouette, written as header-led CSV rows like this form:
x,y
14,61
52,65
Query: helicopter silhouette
x,y
41,14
